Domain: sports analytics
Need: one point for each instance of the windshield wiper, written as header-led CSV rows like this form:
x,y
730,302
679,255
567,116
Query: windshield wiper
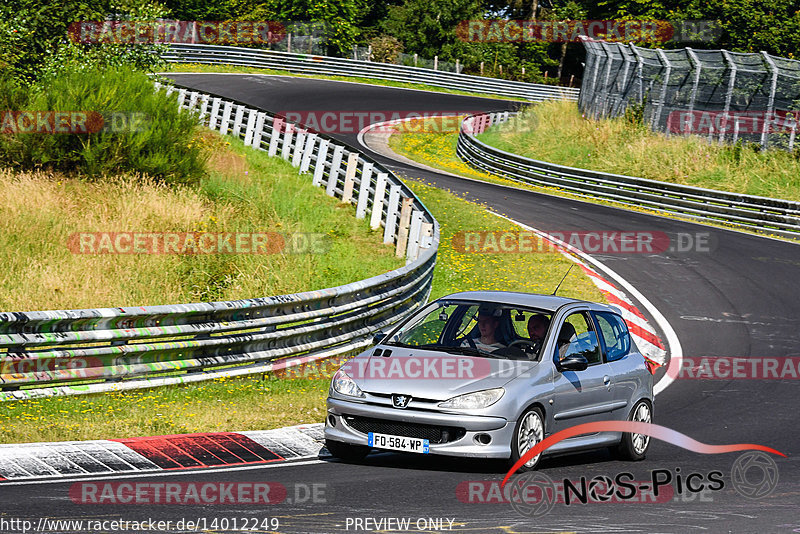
x,y
467,351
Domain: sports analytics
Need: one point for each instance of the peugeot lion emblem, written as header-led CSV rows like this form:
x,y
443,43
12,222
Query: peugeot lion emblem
x,y
400,401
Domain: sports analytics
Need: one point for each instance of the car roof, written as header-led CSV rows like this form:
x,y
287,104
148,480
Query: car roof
x,y
515,298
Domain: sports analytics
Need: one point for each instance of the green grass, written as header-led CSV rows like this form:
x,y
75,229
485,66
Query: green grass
x,y
261,402
437,149
246,191
459,271
557,133
197,67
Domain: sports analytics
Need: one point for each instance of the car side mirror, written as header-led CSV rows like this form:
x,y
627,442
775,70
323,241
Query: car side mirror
x,y
573,362
377,337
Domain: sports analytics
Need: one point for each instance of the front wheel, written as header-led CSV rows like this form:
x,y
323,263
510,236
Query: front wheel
x,y
634,446
346,451
528,432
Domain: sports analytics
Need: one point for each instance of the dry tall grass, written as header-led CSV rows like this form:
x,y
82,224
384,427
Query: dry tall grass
x,y
556,132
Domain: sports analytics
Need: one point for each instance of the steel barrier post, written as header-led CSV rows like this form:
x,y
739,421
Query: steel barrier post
x,y
392,214
333,175
377,202
350,177
308,152
259,131
322,159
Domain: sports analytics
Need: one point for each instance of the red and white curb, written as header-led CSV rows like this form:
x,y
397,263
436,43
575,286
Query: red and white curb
x,y
27,461
642,332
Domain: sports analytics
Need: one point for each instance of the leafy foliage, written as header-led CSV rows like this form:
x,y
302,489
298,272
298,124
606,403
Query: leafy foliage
x,y
142,130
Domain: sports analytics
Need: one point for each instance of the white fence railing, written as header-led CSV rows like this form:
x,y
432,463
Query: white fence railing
x,y
311,64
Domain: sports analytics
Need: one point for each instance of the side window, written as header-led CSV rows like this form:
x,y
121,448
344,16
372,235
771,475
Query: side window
x,y
615,335
577,336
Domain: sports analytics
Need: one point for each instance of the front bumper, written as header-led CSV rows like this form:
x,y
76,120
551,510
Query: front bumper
x,y
498,430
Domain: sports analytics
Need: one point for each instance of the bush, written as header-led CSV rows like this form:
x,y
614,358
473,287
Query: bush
x,y
385,49
159,141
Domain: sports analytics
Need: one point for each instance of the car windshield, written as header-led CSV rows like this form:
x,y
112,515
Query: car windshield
x,y
476,328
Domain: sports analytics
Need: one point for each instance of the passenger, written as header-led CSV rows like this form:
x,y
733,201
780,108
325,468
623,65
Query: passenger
x,y
488,323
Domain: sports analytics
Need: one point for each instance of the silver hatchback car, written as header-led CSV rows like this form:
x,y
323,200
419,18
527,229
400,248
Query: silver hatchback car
x,y
488,374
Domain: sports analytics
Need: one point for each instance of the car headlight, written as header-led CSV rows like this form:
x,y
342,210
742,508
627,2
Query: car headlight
x,y
345,385
472,401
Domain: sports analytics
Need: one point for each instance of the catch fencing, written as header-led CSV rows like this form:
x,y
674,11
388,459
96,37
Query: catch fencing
x,y
720,95
768,215
66,352
333,66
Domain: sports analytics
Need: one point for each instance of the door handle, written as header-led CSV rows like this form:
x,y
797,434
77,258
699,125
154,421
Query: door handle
x,y
606,380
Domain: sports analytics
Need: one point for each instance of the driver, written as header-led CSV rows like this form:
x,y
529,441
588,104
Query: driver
x,y
487,326
537,328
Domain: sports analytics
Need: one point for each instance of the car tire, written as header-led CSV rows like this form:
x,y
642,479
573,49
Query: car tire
x,y
346,451
634,447
528,432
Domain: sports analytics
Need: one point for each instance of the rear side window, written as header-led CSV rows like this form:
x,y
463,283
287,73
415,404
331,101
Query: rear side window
x,y
577,336
615,335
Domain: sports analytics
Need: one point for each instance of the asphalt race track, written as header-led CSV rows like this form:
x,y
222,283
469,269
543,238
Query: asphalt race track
x,y
740,298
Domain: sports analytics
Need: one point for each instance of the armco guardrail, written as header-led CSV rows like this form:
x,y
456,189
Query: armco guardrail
x,y
311,64
86,351
771,215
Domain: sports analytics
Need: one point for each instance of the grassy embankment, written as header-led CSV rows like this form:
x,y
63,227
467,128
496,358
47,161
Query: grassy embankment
x,y
273,401
556,132
245,191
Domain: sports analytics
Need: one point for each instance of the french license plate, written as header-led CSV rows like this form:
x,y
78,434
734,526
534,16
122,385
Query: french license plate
x,y
398,443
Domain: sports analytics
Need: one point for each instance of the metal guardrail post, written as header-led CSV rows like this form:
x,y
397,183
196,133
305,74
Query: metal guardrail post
x,y
607,81
259,131
275,134
286,147
322,158
237,121
250,129
336,166
665,62
698,67
299,145
377,203
773,87
350,177
392,212
729,92
363,190
403,227
226,117
415,233
308,153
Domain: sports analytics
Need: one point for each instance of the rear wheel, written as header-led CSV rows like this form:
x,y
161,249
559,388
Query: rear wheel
x,y
634,446
528,432
346,451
